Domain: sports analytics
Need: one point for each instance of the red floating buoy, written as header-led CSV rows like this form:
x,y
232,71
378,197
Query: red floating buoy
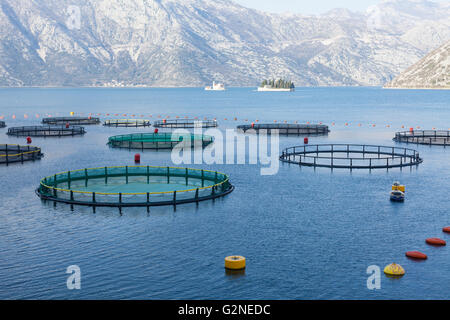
x,y
29,140
253,125
416,255
67,125
306,140
436,242
137,158
411,129
446,229
156,130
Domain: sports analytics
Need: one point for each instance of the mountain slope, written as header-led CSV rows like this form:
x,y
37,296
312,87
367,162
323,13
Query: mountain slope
x,y
432,72
192,42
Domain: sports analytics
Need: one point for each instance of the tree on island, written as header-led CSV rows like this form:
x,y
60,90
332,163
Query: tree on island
x,y
278,83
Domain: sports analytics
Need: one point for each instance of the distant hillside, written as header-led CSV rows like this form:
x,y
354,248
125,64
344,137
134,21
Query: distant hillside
x,y
193,42
431,72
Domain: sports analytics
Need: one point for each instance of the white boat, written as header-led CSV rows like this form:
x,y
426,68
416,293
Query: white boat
x,y
216,87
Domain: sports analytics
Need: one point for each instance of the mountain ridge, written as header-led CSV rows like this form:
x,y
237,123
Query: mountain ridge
x,y
168,43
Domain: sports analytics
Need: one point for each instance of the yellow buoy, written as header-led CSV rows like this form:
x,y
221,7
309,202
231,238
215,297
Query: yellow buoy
x,y
72,113
394,270
235,262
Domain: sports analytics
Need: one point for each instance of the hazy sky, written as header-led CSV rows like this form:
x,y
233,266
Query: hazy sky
x,y
309,6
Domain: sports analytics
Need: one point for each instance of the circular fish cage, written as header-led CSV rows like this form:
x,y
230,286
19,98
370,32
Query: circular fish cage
x,y
45,131
71,120
134,186
351,156
428,137
287,129
127,123
185,123
2,124
158,141
12,153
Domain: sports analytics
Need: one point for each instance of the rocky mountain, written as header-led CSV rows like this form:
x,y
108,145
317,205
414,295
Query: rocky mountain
x,y
192,42
431,72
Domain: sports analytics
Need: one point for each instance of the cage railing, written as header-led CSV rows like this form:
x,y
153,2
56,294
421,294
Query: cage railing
x,y
286,128
45,131
348,156
127,123
11,153
185,123
50,187
165,140
70,120
428,137
2,124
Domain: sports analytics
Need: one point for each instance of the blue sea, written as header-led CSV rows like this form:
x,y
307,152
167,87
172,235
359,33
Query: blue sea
x,y
306,234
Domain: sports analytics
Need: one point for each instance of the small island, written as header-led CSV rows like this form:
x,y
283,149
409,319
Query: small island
x,y
277,85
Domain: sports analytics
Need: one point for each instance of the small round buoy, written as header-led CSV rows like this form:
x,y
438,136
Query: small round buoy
x,y
235,262
436,242
164,120
29,140
253,125
72,113
394,270
67,125
411,129
156,130
306,140
137,158
416,255
446,229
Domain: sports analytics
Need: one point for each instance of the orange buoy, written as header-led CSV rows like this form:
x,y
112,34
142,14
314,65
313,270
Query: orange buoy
x,y
416,255
306,140
137,158
411,129
164,120
436,242
156,130
253,125
29,140
446,229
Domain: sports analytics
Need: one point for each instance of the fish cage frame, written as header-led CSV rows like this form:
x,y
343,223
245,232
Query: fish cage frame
x,y
136,141
221,187
19,153
127,123
70,120
426,137
185,123
45,131
288,129
394,157
2,124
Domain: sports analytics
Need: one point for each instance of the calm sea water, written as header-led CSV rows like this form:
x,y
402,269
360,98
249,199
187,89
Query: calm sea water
x,y
306,234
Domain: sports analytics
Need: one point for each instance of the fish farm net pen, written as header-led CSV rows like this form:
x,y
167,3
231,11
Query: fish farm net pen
x,y
127,123
134,186
71,120
12,153
158,141
287,129
351,156
427,137
185,123
45,131
2,124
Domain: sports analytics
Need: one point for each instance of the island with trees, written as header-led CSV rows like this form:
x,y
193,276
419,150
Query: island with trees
x,y
277,85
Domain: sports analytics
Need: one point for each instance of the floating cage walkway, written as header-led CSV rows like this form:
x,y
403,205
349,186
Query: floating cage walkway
x,y
157,141
288,129
428,137
45,131
127,123
71,120
11,153
185,123
351,156
134,186
2,124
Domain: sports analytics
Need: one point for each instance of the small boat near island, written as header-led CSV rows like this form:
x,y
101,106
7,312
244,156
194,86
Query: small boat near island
x,y
279,85
215,87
